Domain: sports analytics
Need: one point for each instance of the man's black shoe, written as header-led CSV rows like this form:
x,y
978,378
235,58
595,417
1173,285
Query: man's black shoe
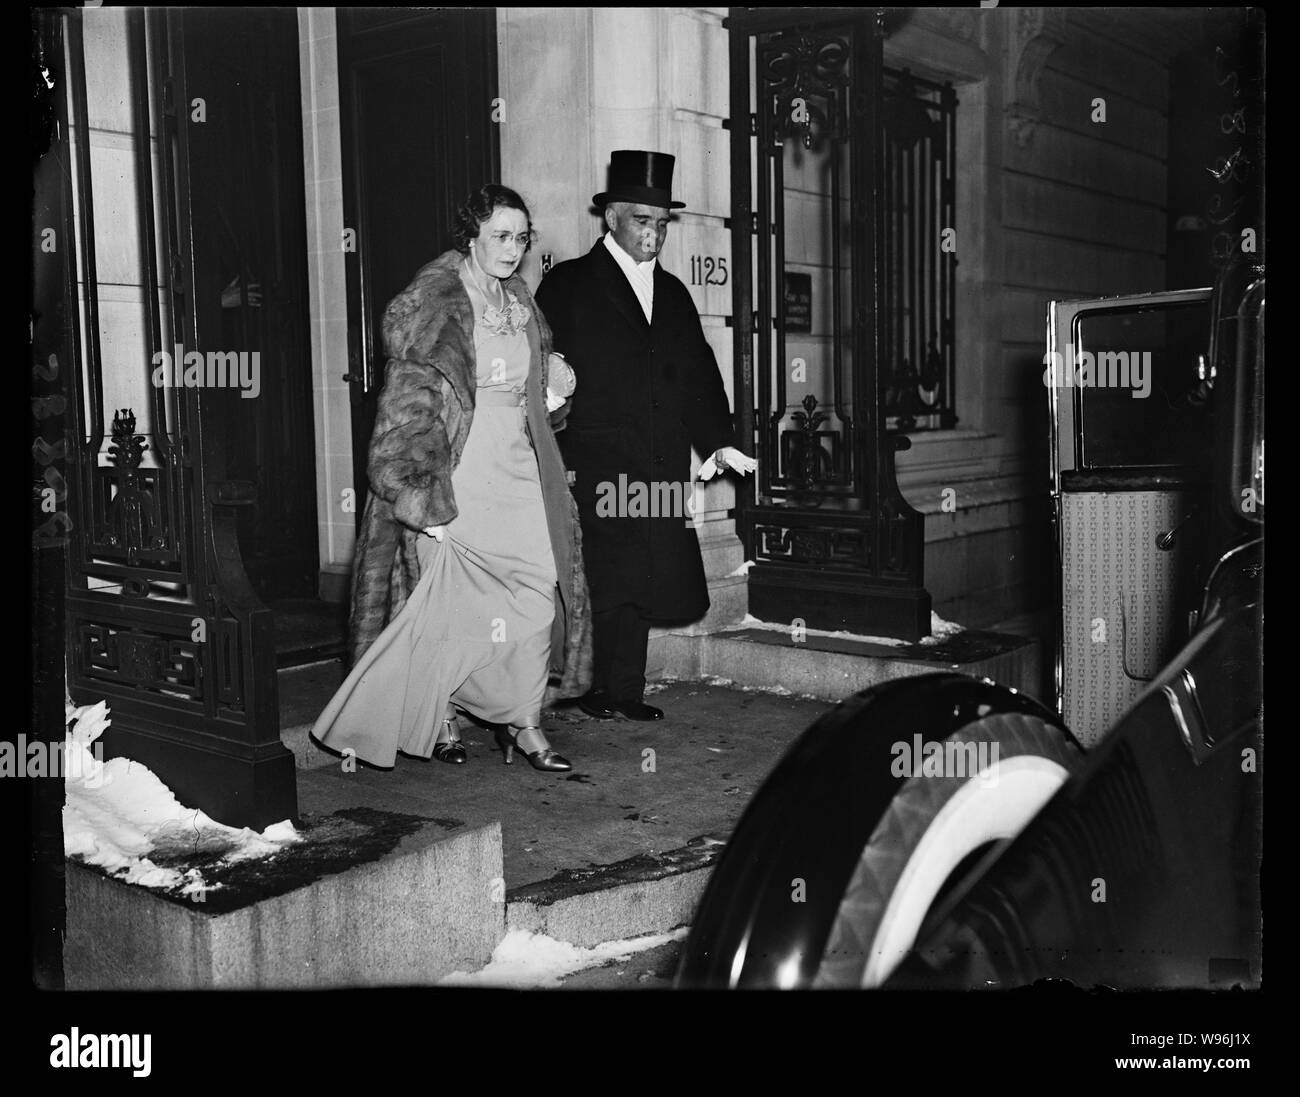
x,y
597,705
635,710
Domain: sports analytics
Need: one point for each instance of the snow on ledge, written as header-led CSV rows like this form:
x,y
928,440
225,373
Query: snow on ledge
x,y
117,813
523,960
939,630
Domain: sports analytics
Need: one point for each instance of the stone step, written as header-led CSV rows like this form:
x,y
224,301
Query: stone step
x,y
648,893
409,875
587,896
368,898
614,851
833,668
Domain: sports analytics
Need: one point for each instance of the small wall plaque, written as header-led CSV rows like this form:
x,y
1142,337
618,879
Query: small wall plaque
x,y
798,301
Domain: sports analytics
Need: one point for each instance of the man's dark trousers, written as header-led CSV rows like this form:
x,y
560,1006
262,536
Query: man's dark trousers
x,y
621,638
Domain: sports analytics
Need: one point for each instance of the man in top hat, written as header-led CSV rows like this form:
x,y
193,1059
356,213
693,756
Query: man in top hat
x,y
648,390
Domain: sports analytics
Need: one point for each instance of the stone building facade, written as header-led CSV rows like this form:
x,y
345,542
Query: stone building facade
x,y
1050,204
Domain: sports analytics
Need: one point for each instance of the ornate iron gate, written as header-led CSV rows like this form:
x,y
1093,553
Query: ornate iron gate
x,y
919,337
161,619
834,542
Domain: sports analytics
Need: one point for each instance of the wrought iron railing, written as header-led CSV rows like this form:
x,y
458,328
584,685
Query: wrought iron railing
x,y
161,620
804,128
919,246
834,542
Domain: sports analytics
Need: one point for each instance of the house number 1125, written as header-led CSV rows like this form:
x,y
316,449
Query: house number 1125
x,y
708,271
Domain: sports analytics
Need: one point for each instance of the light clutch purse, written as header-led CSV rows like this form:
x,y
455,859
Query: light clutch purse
x,y
561,381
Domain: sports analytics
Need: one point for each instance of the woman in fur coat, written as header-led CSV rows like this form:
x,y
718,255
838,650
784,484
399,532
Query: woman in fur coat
x,y
468,590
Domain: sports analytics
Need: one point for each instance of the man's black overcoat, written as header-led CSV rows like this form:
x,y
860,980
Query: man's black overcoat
x,y
646,393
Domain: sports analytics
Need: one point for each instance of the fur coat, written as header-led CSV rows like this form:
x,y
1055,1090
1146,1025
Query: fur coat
x,y
426,411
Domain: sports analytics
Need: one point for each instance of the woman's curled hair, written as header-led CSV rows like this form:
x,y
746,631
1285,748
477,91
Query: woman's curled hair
x,y
479,207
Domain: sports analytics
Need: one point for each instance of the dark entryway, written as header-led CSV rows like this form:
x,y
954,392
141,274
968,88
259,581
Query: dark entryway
x,y
251,254
416,98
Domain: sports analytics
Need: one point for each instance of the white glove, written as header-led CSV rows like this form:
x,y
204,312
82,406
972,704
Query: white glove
x,y
436,532
553,402
727,458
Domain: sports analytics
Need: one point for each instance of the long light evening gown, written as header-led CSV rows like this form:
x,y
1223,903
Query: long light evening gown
x,y
476,630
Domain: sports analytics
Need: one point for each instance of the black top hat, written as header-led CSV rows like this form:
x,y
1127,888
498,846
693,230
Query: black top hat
x,y
636,176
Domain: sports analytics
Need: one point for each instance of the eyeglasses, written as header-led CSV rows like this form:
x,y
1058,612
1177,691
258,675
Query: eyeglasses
x,y
523,239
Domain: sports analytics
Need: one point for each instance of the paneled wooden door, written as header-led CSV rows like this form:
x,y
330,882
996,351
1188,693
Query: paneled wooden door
x,y
251,249
416,97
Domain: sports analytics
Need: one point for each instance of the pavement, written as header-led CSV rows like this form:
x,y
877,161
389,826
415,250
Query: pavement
x,y
637,790
623,843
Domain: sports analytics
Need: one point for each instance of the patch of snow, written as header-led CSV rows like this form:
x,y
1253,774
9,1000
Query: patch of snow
x,y
771,691
118,812
939,630
524,959
773,626
728,683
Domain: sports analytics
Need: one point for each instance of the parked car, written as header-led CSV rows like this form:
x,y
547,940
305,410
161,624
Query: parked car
x,y
1124,854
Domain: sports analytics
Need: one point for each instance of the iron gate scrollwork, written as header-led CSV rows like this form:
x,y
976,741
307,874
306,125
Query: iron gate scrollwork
x,y
161,619
834,542
919,252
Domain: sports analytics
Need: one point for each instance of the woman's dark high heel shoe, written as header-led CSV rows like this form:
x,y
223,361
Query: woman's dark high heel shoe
x,y
544,758
449,749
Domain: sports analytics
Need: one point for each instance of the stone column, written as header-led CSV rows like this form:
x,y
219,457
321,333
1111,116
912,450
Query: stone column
x,y
327,298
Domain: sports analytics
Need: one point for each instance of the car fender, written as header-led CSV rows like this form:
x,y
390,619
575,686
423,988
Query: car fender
x,y
773,897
